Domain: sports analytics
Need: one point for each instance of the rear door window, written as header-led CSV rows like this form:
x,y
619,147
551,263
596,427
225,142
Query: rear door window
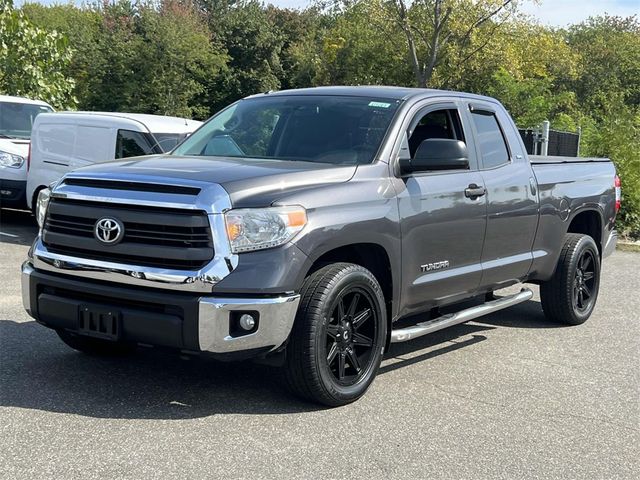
x,y
493,147
134,144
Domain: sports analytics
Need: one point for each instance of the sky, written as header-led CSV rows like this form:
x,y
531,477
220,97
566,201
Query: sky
x,y
557,13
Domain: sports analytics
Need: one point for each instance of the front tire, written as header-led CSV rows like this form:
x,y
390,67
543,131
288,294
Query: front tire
x,y
570,295
338,337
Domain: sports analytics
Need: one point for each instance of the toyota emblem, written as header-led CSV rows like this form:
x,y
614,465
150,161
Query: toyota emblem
x,y
108,231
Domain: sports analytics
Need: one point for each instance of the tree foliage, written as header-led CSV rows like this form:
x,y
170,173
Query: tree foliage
x,y
32,59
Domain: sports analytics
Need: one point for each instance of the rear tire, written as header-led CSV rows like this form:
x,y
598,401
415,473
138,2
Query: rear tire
x,y
34,201
570,295
338,337
94,346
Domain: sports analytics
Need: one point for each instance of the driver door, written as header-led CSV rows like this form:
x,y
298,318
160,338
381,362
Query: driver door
x,y
442,225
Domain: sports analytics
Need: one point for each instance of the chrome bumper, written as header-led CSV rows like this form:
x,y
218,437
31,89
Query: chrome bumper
x,y
27,270
610,246
275,320
275,317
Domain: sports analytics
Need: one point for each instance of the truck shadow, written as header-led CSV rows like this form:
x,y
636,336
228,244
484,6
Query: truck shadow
x,y
525,315
37,371
529,315
17,227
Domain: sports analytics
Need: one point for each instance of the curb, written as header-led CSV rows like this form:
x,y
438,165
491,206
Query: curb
x,y
628,246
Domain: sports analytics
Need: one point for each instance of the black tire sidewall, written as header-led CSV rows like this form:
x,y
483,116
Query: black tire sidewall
x,y
359,278
585,243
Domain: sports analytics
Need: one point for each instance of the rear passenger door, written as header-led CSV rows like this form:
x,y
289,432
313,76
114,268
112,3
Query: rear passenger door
x,y
512,201
442,226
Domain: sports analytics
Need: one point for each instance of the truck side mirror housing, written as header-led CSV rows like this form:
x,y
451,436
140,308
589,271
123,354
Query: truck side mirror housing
x,y
436,154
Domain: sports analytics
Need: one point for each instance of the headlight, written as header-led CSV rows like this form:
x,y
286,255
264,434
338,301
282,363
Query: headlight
x,y
257,228
10,160
41,205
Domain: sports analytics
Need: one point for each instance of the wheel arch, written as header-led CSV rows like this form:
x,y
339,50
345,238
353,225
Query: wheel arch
x,y
588,221
372,256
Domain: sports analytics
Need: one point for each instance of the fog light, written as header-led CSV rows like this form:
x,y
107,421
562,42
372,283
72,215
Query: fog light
x,y
247,322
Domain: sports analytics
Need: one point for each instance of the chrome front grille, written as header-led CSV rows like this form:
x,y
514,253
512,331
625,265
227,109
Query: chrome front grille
x,y
153,236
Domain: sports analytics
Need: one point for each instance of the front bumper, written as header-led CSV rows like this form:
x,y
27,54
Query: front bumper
x,y
182,320
12,193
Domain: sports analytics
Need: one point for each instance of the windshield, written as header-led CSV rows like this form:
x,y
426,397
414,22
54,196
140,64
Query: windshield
x,y
16,119
324,129
167,141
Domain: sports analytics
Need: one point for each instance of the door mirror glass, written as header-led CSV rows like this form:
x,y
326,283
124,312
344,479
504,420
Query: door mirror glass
x,y
435,154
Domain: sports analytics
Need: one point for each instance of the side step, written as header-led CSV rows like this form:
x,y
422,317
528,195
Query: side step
x,y
423,328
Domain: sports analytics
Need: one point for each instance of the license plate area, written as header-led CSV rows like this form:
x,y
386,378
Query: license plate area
x,y
98,322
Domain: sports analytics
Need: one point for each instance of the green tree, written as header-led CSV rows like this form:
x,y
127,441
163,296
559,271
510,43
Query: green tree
x,y
143,56
82,28
32,59
436,32
609,49
177,60
253,47
618,137
302,33
533,86
363,47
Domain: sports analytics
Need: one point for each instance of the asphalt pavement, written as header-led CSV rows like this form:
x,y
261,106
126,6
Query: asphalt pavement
x,y
510,396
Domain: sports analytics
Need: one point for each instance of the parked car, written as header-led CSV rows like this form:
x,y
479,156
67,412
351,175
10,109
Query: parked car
x,y
301,226
65,141
17,115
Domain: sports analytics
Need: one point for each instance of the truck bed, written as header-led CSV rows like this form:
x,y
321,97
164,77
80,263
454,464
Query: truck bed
x,y
542,160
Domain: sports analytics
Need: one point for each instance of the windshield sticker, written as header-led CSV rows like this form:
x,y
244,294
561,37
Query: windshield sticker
x,y
379,104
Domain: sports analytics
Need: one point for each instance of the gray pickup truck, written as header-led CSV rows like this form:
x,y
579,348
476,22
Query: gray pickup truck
x,y
300,227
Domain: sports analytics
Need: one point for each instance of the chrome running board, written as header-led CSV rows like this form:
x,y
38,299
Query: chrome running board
x,y
423,328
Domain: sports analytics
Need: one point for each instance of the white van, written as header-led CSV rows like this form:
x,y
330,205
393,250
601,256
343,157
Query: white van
x,y
64,141
17,115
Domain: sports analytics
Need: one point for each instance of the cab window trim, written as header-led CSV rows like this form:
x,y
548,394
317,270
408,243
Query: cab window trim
x,y
412,118
481,109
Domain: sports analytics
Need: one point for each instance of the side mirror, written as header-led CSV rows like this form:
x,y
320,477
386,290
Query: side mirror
x,y
437,154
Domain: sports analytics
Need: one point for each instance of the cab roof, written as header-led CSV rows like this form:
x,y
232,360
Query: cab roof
x,y
379,91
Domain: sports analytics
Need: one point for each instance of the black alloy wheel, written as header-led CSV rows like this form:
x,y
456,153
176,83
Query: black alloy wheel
x,y
350,334
584,282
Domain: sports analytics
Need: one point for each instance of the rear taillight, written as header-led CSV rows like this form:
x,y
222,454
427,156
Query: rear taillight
x,y
29,157
618,193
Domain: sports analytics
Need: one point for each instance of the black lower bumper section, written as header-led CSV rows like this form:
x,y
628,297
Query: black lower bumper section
x,y
12,193
119,313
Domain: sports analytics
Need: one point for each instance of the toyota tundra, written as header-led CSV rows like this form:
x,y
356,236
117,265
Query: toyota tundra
x,y
299,227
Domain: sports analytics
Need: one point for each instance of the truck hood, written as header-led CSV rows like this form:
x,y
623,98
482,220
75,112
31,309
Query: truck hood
x,y
249,182
16,146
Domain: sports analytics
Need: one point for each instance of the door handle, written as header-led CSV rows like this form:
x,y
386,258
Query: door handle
x,y
473,191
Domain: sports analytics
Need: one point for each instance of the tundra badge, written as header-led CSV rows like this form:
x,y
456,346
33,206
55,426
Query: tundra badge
x,y
428,267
